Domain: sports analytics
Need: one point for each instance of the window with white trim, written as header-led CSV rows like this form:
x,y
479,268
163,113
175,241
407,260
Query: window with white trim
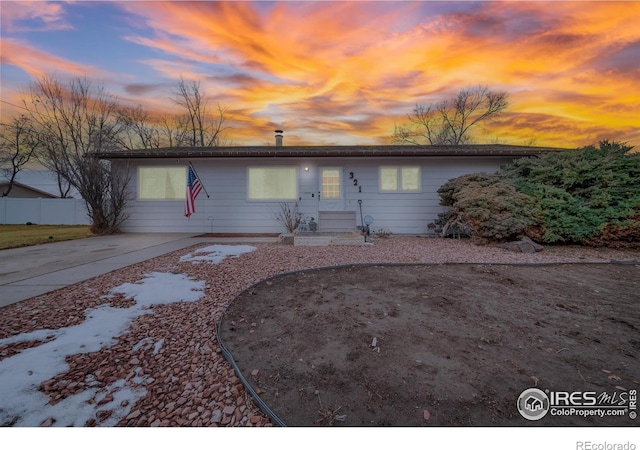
x,y
272,183
399,179
162,183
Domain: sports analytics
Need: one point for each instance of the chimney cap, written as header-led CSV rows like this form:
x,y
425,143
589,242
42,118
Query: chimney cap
x,y
278,138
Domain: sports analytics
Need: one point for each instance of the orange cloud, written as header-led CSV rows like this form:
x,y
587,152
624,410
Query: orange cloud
x,y
37,63
340,71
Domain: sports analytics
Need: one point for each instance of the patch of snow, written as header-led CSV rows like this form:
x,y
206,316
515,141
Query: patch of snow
x,y
122,394
142,343
22,374
162,290
216,253
157,346
36,335
140,376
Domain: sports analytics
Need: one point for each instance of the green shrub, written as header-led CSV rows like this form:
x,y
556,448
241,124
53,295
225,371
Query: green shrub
x,y
583,193
586,196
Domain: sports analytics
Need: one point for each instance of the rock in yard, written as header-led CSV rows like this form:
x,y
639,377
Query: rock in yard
x,y
134,415
524,245
47,423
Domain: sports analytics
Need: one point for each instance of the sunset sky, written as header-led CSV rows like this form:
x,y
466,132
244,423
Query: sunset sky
x,y
344,72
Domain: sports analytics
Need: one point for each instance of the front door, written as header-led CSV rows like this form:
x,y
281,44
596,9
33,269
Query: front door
x,y
331,189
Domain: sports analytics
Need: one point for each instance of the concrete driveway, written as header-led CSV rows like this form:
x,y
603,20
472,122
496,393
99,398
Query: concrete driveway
x,y
30,271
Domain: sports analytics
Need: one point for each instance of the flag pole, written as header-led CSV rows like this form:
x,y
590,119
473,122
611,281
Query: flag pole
x,y
198,176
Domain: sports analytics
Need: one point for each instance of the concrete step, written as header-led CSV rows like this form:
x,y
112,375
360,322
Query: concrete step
x,y
321,239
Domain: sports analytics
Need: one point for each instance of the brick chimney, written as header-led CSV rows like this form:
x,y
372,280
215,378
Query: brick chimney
x,y
279,138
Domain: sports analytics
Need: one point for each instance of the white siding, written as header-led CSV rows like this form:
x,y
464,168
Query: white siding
x,y
225,179
408,212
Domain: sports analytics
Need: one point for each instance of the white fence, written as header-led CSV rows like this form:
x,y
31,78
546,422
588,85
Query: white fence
x,y
43,211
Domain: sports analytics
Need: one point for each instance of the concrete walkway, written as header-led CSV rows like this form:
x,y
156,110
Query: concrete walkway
x,y
30,271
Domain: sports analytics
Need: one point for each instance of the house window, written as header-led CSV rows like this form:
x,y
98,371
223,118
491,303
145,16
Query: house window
x,y
330,183
400,179
272,183
162,183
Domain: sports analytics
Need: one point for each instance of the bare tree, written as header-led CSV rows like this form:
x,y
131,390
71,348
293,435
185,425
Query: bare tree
x,y
204,129
18,143
76,121
138,130
450,121
174,130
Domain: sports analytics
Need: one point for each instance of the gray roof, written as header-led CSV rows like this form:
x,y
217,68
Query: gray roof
x,y
330,151
26,187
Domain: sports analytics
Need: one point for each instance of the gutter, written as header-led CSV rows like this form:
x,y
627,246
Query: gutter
x,y
331,151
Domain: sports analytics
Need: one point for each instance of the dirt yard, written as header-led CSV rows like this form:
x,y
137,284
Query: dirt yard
x,y
443,344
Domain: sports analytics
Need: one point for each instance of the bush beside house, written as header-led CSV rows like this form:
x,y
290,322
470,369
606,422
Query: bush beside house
x,y
485,207
587,196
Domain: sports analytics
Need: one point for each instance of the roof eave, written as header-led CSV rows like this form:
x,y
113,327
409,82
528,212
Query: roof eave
x,y
333,151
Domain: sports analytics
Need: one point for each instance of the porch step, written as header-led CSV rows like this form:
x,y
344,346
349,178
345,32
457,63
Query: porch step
x,y
323,239
336,221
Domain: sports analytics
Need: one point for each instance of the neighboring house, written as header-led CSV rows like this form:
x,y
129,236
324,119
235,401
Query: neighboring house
x,y
336,185
20,190
28,204
41,180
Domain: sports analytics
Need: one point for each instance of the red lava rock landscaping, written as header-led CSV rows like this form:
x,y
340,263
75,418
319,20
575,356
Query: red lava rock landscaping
x,y
172,356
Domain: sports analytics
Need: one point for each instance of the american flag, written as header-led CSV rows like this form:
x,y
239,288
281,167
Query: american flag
x,y
193,189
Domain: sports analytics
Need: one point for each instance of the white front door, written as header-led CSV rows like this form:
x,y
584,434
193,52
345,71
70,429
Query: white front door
x,y
331,197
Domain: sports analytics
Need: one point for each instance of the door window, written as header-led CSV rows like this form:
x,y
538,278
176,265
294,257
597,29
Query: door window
x,y
331,185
